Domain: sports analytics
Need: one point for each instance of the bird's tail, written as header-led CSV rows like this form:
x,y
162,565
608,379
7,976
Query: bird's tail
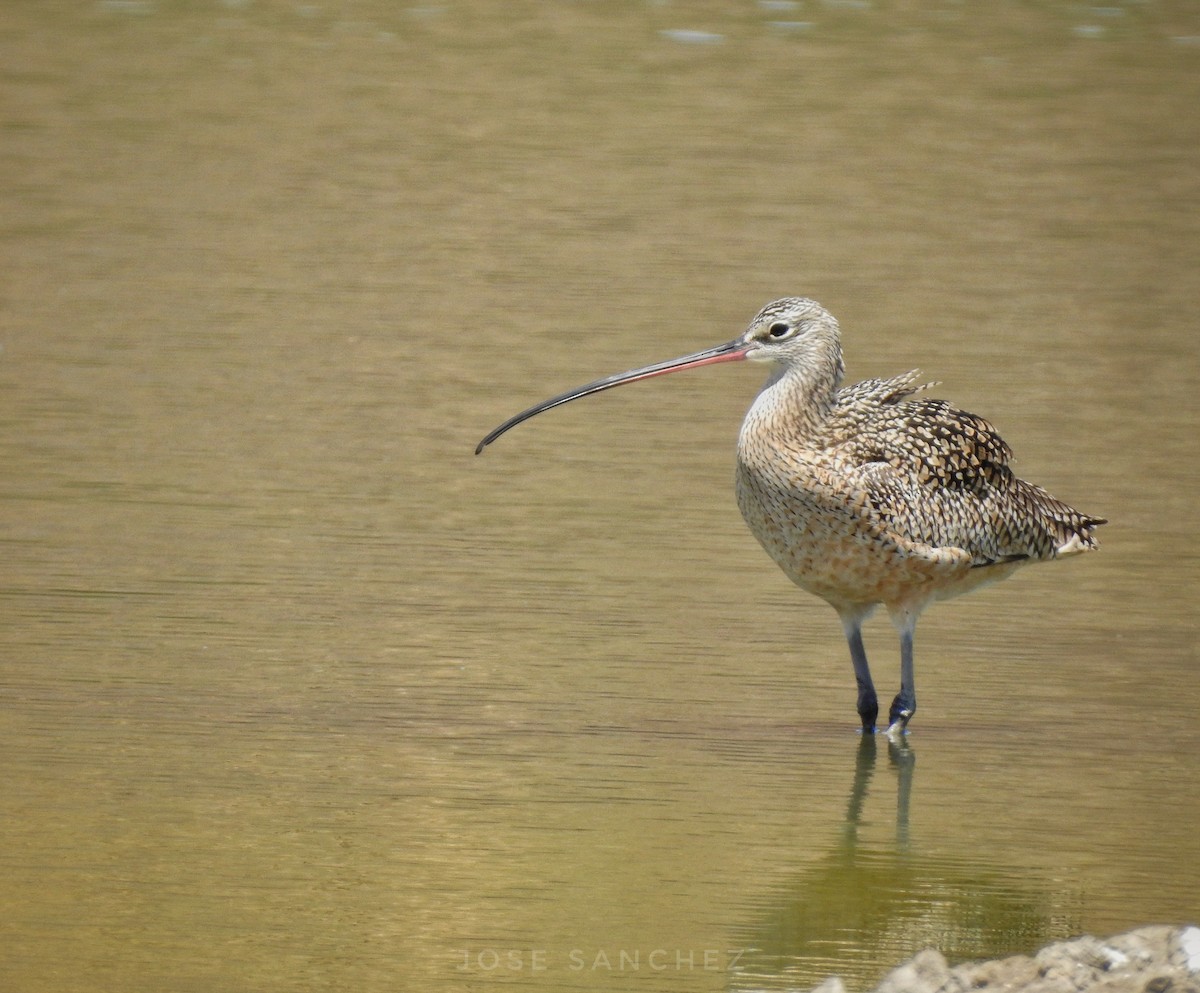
x,y
1075,532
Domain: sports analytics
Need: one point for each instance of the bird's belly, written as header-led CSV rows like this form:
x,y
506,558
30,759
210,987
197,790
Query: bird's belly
x,y
828,543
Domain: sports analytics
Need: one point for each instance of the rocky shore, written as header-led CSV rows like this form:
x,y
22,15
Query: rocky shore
x,y
1156,959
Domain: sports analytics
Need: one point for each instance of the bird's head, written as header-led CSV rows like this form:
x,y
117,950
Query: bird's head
x,y
796,333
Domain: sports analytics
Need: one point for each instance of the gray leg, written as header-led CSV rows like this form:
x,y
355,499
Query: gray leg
x,y
905,704
868,703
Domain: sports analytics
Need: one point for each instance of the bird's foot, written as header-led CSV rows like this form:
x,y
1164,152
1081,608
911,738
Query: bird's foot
x,y
899,725
868,710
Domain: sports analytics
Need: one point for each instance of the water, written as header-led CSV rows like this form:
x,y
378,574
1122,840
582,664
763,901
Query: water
x,y
296,693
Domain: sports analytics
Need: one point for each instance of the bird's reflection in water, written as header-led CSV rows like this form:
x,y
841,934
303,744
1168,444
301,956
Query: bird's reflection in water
x,y
867,906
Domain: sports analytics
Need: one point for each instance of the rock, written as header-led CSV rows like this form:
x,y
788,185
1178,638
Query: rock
x,y
1157,959
1077,964
1009,973
928,972
1188,943
1143,945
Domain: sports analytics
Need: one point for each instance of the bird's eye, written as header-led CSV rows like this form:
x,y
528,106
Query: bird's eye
x,y
779,330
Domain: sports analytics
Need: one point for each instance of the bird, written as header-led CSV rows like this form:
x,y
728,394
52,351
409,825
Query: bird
x,y
870,494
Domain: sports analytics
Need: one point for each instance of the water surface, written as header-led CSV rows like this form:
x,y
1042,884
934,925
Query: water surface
x,y
296,693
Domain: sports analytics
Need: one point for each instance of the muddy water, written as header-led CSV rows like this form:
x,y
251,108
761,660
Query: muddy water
x,y
296,693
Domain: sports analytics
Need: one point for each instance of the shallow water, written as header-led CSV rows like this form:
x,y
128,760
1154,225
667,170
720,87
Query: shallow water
x,y
296,693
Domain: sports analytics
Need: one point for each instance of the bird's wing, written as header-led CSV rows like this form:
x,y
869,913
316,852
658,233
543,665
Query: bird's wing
x,y
939,477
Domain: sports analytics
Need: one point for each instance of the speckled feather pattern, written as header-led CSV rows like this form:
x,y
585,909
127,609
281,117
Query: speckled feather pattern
x,y
870,494
876,493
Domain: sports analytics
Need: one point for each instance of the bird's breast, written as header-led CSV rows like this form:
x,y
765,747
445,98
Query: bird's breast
x,y
820,527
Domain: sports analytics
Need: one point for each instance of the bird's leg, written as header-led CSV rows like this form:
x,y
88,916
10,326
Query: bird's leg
x,y
905,704
868,703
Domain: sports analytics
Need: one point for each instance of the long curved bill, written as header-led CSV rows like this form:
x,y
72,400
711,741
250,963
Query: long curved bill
x,y
733,351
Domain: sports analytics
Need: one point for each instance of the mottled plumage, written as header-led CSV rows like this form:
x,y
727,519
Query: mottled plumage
x,y
941,475
873,493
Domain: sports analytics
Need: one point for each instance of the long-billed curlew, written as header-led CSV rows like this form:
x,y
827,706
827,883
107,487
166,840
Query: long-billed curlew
x,y
869,494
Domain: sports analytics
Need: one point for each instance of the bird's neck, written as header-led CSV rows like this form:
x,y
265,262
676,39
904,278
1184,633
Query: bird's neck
x,y
795,400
